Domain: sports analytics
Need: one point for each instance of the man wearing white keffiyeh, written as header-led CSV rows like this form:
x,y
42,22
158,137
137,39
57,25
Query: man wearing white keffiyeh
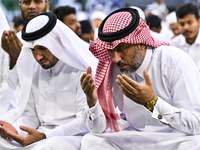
x,y
159,93
51,114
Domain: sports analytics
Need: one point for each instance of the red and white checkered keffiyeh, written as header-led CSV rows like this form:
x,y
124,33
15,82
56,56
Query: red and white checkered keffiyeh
x,y
141,35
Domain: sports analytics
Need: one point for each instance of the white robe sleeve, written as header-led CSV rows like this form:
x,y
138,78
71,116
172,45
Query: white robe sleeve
x,y
183,112
29,117
95,118
11,76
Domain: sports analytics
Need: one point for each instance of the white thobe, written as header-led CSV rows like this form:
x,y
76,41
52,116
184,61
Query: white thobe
x,y
7,94
158,36
176,82
192,50
7,97
55,106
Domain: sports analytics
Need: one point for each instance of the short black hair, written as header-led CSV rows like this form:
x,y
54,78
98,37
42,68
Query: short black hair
x,y
19,21
62,11
85,26
188,8
153,21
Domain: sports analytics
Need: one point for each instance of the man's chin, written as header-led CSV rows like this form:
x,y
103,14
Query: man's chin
x,y
45,67
123,71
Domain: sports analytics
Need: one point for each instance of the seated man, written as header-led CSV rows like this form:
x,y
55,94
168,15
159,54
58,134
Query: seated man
x,y
159,93
52,87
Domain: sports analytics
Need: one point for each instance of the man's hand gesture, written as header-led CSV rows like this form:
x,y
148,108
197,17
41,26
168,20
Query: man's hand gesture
x,y
5,126
140,94
32,136
89,87
12,45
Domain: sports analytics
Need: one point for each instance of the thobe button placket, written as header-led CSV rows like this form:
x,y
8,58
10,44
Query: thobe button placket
x,y
160,116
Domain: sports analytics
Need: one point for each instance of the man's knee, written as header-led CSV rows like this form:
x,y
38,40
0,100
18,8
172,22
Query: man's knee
x,y
58,142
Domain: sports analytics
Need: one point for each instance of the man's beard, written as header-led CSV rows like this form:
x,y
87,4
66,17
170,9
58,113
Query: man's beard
x,y
136,62
23,16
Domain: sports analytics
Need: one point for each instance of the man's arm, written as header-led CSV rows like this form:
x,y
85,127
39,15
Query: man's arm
x,y
182,111
32,136
92,113
6,127
29,117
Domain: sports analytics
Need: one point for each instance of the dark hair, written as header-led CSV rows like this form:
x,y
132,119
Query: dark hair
x,y
62,11
19,21
188,8
85,26
153,21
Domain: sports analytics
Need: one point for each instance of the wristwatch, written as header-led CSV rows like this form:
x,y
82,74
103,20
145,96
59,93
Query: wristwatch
x,y
151,104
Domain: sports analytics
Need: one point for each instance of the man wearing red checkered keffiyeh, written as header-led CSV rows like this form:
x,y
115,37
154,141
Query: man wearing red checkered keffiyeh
x,y
153,101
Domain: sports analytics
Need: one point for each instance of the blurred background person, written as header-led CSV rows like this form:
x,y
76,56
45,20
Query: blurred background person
x,y
67,15
87,31
154,23
96,18
171,21
19,23
189,39
160,7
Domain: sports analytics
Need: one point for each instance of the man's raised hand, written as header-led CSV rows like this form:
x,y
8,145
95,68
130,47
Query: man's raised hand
x,y
12,45
89,87
140,94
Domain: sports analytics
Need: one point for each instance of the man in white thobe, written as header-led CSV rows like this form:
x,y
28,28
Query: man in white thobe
x,y
12,44
7,97
55,98
189,39
159,93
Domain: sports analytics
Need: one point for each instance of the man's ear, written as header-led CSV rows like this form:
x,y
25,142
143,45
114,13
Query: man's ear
x,y
199,22
142,47
47,6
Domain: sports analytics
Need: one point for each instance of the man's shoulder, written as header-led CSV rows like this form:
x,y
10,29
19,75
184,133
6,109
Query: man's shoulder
x,y
177,40
169,53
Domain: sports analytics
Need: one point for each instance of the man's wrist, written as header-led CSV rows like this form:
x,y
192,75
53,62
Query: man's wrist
x,y
92,104
151,104
12,62
42,136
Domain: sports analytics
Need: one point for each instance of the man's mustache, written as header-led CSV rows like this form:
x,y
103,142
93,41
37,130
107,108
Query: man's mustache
x,y
121,63
187,31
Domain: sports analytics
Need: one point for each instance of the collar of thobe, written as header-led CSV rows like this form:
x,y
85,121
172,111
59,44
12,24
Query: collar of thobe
x,y
184,43
55,70
197,41
144,64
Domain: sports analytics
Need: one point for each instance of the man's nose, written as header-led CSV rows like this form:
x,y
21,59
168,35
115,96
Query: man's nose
x,y
32,5
116,57
186,26
38,56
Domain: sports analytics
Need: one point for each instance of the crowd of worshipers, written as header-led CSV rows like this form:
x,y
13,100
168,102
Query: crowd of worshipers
x,y
61,87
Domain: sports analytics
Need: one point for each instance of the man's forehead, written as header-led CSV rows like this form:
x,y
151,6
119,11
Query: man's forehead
x,y
33,1
121,45
39,46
